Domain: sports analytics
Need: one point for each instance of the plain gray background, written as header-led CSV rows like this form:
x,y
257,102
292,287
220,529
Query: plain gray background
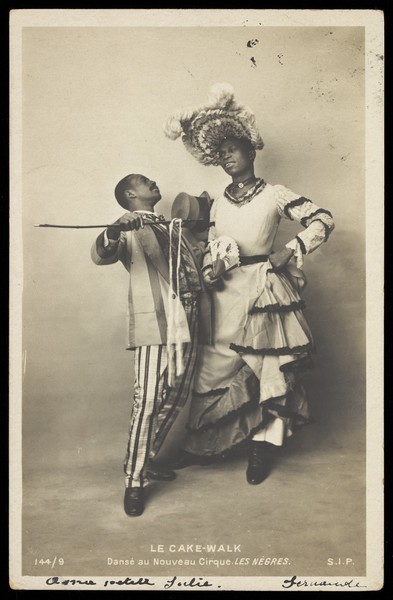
x,y
94,101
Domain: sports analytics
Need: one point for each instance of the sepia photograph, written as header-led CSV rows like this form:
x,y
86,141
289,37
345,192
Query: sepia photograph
x,y
196,300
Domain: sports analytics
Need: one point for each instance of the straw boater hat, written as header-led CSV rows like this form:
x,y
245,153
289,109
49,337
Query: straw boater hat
x,y
204,127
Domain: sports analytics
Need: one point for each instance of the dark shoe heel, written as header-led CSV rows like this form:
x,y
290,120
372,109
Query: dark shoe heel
x,y
134,501
260,462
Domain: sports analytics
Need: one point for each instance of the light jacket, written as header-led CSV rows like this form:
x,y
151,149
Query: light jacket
x,y
141,255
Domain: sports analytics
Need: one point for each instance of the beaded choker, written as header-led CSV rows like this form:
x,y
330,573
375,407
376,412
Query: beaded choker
x,y
247,196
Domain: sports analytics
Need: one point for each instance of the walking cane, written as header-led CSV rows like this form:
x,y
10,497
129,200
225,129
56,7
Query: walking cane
x,y
185,221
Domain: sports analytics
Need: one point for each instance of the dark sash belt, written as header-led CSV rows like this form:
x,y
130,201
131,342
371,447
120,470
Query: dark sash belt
x,y
252,260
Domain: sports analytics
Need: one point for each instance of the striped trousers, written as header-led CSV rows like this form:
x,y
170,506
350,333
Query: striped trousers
x,y
155,406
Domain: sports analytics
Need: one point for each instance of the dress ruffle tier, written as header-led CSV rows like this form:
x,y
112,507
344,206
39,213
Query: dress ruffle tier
x,y
233,416
275,324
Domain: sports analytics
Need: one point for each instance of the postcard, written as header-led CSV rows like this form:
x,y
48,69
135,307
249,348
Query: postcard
x,y
171,427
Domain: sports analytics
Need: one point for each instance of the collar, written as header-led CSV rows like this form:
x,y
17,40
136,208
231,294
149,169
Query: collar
x,y
149,214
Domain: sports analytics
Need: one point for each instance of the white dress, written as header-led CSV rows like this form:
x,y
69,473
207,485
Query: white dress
x,y
262,343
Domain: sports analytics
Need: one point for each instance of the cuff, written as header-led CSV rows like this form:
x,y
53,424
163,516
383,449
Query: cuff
x,y
107,242
298,254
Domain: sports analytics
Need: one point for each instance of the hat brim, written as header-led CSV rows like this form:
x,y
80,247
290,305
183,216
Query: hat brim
x,y
194,209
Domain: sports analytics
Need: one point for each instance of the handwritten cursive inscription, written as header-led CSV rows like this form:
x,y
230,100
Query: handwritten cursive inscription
x,y
58,581
294,581
193,582
129,581
126,581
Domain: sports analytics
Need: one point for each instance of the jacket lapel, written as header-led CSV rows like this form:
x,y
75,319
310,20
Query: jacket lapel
x,y
151,247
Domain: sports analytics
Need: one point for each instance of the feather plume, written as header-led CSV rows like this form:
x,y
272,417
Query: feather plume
x,y
221,95
173,128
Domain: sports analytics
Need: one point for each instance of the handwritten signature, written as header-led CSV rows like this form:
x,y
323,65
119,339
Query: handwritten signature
x,y
294,581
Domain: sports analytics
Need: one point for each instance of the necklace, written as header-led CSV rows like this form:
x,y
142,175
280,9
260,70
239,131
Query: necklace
x,y
241,184
247,196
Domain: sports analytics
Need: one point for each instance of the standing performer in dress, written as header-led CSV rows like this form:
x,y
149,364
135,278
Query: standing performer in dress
x,y
166,292
248,384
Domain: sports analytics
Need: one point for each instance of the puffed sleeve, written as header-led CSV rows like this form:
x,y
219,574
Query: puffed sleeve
x,y
317,222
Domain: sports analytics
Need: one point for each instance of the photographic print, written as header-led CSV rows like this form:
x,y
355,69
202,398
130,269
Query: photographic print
x,y
196,300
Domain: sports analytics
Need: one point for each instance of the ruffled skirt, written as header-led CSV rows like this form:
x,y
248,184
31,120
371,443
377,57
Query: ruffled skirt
x,y
253,372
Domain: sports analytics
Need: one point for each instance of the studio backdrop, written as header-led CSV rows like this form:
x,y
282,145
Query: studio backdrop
x,y
94,102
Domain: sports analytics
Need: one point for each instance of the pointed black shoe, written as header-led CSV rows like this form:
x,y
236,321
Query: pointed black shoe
x,y
260,461
157,473
187,460
134,501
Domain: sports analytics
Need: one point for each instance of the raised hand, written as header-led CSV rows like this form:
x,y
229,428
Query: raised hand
x,y
128,222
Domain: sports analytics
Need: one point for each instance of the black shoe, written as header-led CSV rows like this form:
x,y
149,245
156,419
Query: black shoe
x,y
260,460
134,501
159,474
187,460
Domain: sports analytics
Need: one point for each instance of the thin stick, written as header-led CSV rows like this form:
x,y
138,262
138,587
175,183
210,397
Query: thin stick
x,y
112,224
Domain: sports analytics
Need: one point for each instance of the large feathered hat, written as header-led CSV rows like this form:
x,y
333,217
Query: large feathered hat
x,y
203,128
